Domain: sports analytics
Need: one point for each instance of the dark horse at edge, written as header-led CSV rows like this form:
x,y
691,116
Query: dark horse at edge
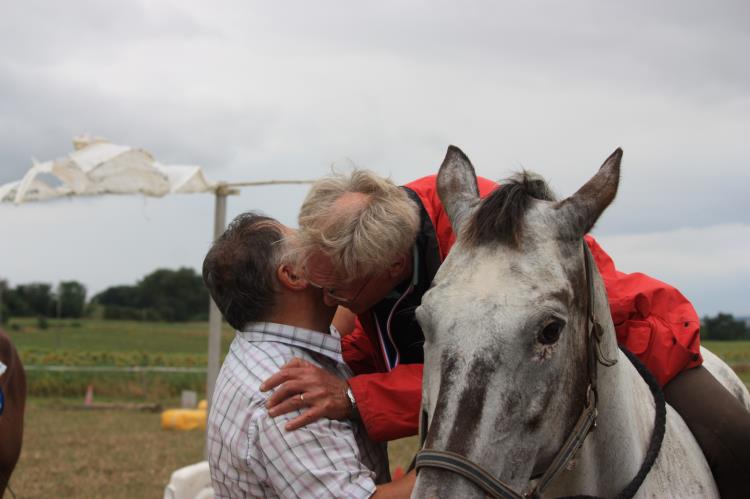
x,y
12,404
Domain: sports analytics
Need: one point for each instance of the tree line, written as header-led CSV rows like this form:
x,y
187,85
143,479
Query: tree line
x,y
163,295
179,295
724,327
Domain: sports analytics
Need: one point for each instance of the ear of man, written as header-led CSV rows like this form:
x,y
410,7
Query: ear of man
x,y
399,267
290,278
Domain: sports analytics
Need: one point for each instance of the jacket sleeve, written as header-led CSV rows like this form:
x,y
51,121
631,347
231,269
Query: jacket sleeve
x,y
389,403
652,319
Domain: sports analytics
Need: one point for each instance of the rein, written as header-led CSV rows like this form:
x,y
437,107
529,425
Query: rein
x,y
456,463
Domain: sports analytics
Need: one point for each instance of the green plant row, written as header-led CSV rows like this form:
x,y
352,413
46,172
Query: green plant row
x,y
43,357
152,387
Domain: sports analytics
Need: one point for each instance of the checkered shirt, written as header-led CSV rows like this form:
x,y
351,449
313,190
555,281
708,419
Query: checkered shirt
x,y
250,453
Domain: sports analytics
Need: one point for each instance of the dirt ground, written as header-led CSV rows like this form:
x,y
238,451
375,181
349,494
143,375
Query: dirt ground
x,y
70,453
90,454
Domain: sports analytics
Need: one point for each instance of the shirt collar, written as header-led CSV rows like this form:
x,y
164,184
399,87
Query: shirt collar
x,y
324,344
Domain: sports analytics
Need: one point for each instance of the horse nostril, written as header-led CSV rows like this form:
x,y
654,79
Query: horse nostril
x,y
550,333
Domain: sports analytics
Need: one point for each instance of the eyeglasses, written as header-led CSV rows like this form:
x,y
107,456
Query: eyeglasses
x,y
333,293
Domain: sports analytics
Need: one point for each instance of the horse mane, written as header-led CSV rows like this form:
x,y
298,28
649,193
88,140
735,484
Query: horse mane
x,y
499,217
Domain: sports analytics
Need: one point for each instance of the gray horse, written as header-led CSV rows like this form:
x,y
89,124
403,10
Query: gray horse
x,y
521,359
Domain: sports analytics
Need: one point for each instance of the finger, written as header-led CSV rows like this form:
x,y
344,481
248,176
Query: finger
x,y
288,405
295,362
309,416
288,390
272,382
286,373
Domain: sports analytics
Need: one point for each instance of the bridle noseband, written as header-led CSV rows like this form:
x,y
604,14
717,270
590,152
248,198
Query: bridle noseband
x,y
431,458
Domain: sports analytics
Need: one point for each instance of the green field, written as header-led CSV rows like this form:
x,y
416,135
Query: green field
x,y
731,351
166,340
119,344
734,353
89,342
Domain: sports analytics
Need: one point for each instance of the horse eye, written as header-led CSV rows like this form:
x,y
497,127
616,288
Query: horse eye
x,y
551,332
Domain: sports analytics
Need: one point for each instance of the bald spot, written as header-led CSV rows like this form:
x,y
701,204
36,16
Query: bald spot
x,y
350,204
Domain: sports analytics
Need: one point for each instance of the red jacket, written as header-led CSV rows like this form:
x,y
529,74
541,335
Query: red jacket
x,y
652,320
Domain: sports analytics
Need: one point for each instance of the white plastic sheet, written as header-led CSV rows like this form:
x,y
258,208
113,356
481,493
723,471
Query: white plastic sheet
x,y
100,167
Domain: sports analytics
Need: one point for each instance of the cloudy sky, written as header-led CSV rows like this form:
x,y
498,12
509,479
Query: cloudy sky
x,y
283,90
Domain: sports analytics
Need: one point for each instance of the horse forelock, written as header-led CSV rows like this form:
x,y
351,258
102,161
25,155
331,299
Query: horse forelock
x,y
500,216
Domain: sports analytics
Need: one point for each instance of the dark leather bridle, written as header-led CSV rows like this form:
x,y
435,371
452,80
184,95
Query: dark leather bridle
x,y
431,458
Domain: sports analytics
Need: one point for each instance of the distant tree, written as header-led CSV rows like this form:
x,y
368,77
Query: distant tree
x,y
15,304
723,327
72,296
175,295
123,296
119,302
4,313
165,294
33,299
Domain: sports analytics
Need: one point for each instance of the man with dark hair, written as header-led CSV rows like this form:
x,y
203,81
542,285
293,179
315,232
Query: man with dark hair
x,y
279,316
239,269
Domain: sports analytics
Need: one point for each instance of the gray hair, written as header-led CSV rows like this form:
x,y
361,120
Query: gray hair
x,y
364,237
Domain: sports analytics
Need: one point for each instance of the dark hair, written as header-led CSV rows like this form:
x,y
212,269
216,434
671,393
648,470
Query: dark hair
x,y
240,268
500,215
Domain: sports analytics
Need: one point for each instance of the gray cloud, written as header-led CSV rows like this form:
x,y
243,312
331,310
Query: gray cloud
x,y
281,90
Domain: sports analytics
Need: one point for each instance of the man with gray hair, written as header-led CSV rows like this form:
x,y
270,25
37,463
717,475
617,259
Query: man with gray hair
x,y
373,248
278,316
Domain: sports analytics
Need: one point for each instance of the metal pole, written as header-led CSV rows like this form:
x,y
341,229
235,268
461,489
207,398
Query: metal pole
x,y
269,182
214,315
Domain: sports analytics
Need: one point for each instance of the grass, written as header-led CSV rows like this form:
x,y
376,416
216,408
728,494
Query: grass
x,y
112,454
401,452
731,351
91,335
734,353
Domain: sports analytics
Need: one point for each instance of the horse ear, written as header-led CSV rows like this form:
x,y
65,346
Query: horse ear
x,y
457,186
579,212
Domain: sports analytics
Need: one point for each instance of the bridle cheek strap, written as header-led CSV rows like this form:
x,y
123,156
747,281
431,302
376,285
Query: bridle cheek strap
x,y
430,458
458,464
586,422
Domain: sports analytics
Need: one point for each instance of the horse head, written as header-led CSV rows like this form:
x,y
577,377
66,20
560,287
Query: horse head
x,y
506,325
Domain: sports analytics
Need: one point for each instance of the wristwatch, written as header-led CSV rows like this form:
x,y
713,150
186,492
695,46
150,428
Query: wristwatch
x,y
352,401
